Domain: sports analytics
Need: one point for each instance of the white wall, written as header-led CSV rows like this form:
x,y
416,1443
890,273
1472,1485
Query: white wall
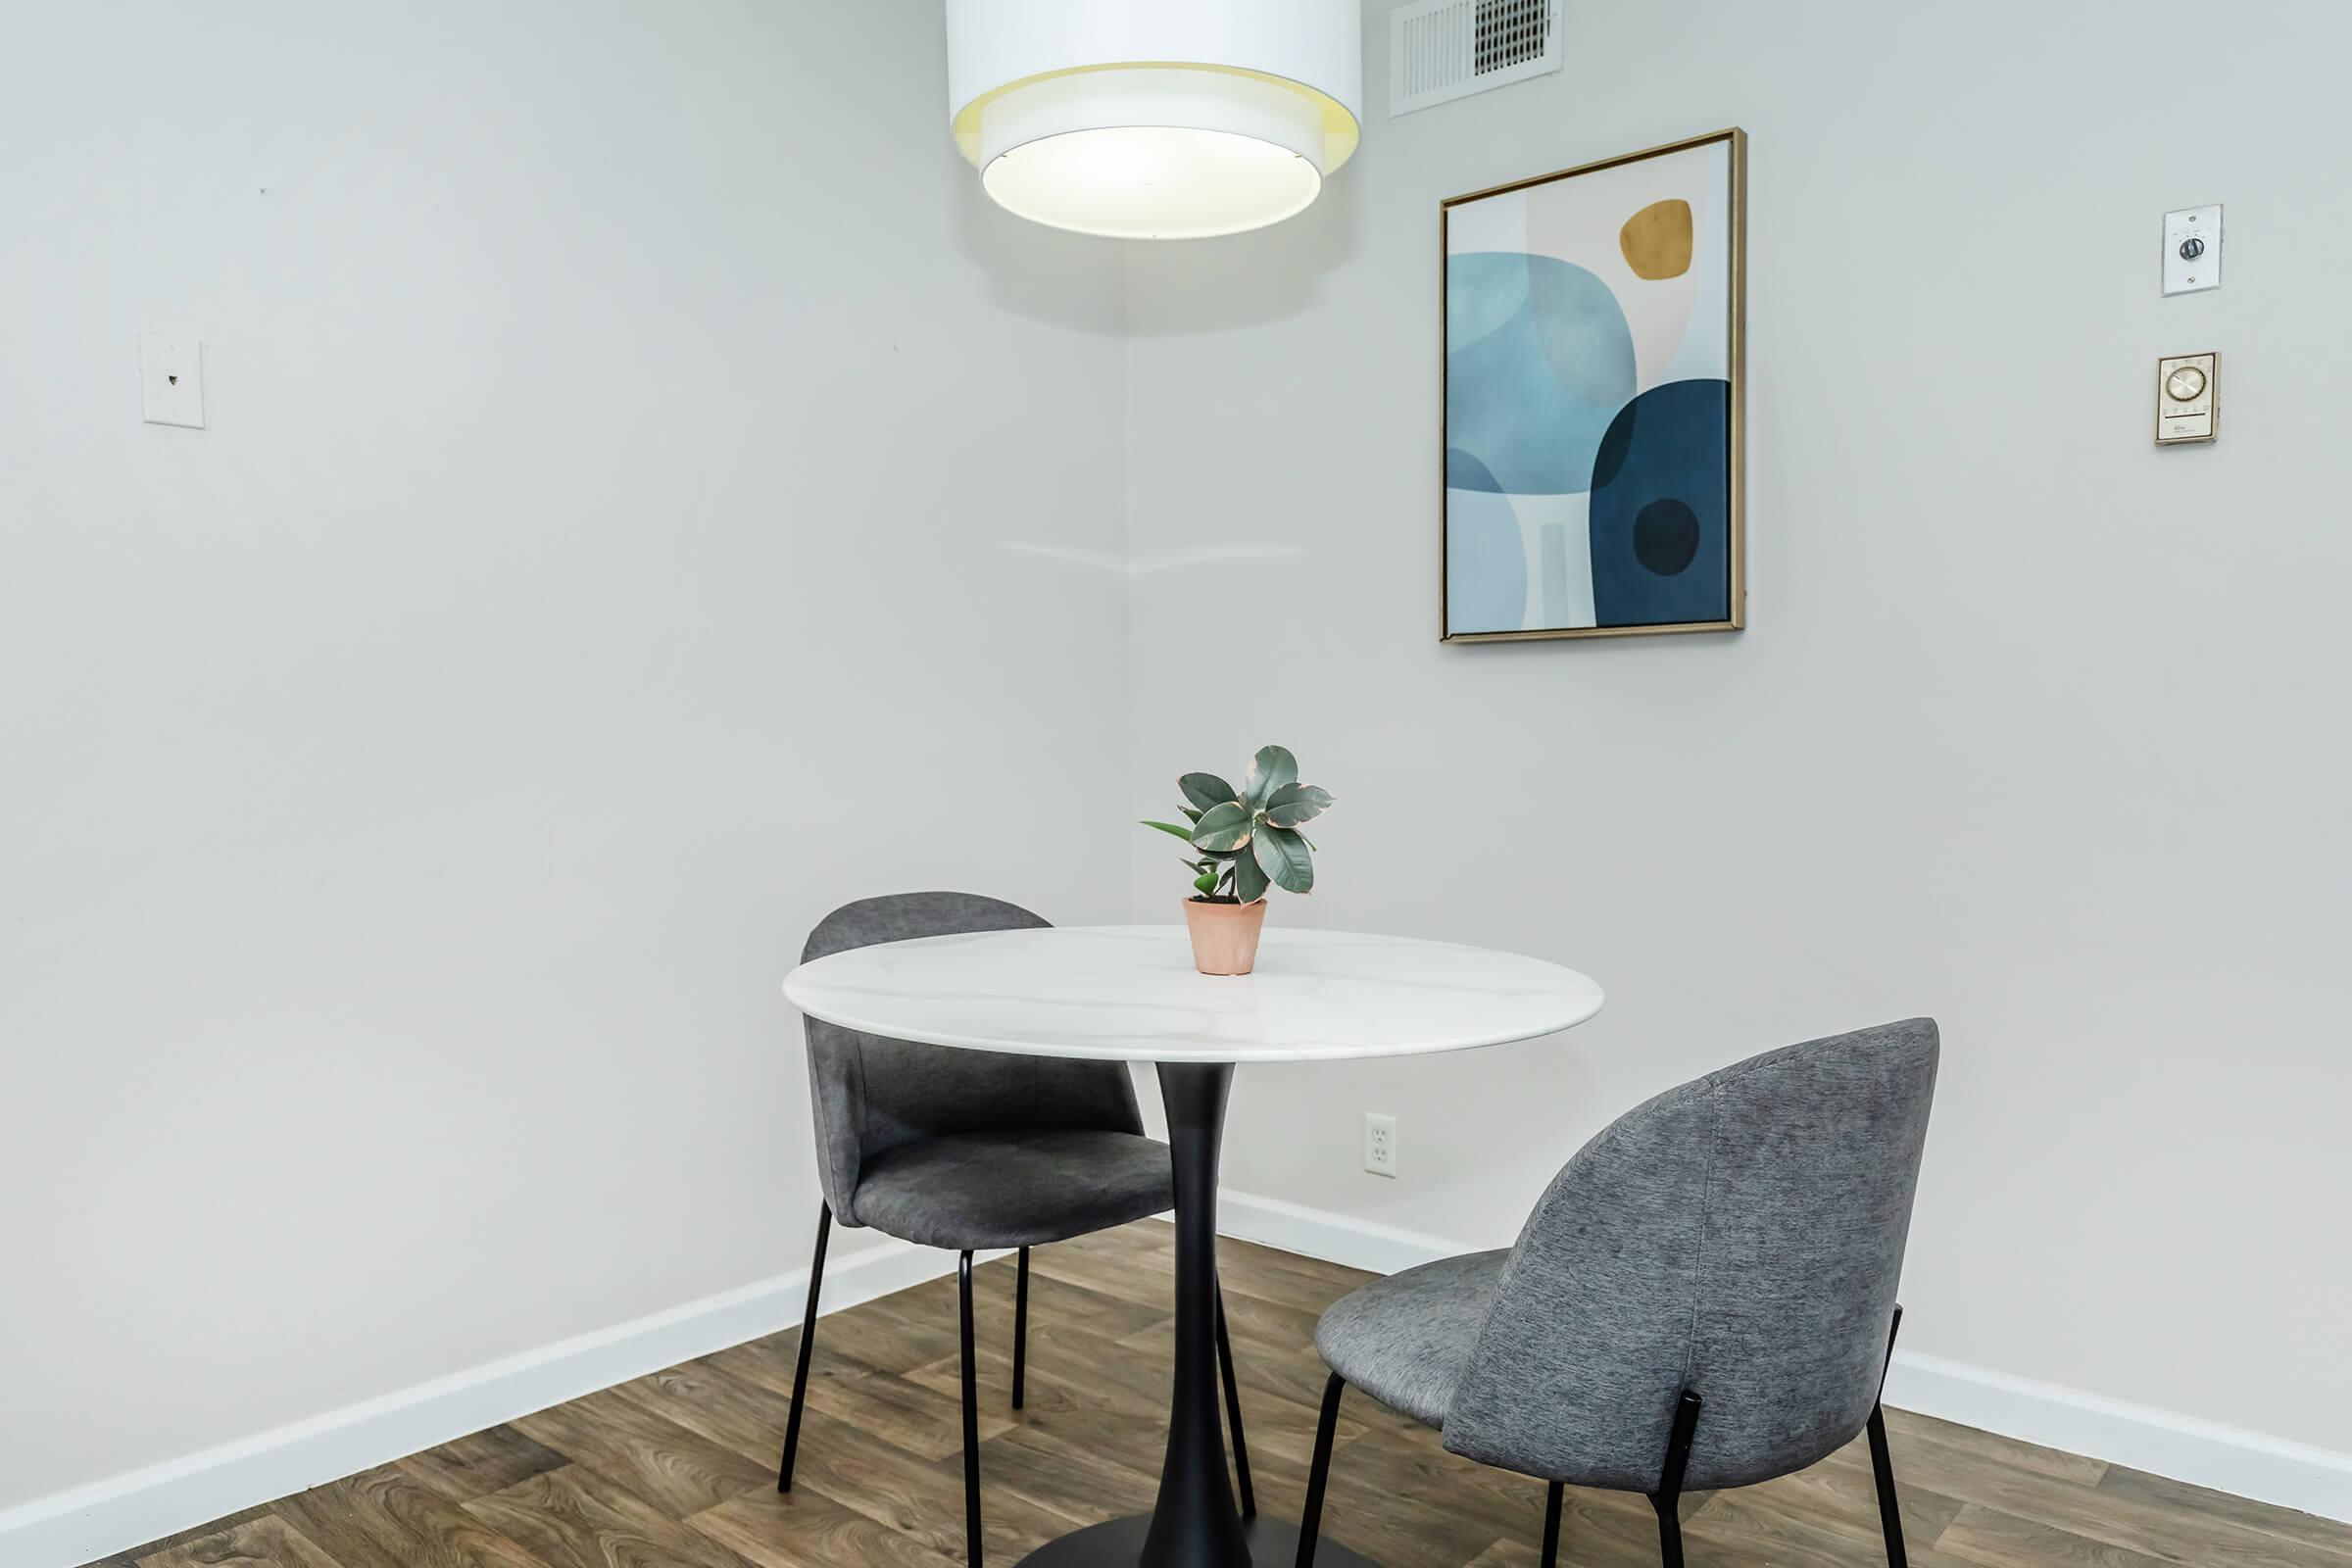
x,y
646,504
2036,728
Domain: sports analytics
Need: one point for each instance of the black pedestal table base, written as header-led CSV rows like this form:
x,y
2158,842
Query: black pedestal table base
x,y
1119,1544
1194,1523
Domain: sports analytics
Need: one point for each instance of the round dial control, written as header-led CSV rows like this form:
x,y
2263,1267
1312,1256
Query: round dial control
x,y
2185,384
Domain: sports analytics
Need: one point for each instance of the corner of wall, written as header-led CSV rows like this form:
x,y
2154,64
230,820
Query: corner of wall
x,y
1129,268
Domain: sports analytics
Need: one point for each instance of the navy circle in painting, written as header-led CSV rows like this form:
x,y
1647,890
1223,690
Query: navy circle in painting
x,y
1665,536
1661,495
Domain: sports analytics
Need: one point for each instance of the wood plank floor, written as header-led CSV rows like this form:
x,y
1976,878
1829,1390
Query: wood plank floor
x,y
678,1468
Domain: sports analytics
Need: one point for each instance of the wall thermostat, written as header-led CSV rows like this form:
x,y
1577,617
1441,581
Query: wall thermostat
x,y
2188,398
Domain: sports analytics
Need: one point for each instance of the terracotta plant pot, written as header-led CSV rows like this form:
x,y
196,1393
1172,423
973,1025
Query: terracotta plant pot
x,y
1224,935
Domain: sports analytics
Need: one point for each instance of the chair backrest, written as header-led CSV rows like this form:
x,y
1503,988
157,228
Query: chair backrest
x,y
870,1094
1739,1236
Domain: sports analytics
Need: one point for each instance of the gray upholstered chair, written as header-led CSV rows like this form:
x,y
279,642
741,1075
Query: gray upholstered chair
x,y
1704,1298
971,1150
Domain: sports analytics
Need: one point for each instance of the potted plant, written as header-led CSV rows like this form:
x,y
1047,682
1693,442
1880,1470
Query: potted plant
x,y
1246,841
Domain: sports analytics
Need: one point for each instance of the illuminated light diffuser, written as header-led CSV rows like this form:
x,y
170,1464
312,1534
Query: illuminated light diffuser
x,y
1147,120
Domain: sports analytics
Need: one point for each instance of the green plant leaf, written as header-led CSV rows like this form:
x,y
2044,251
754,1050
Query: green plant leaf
x,y
1249,882
1294,803
1205,790
1191,813
1283,856
1205,882
1269,770
1223,827
1184,833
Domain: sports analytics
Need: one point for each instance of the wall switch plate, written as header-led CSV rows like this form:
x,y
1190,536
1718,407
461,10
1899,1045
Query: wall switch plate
x,y
2192,250
171,380
1380,1144
2188,398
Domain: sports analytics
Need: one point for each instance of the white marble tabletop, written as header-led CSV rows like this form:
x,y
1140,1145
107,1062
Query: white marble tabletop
x,y
1130,994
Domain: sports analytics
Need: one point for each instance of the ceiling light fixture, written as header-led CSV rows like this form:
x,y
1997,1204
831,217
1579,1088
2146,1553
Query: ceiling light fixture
x,y
1153,120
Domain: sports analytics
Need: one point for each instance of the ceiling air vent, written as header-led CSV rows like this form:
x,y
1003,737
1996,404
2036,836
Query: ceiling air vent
x,y
1440,50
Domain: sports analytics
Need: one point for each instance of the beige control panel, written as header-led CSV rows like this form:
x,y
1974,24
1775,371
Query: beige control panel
x,y
2188,398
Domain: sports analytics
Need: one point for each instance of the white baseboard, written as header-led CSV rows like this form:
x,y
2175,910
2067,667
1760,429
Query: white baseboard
x,y
2181,1448
127,1510
1332,1237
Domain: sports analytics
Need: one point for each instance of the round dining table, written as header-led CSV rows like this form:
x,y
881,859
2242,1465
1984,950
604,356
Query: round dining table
x,y
1131,994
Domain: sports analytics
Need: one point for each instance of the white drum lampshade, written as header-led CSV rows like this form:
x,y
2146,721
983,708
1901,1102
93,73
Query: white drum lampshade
x,y
1155,118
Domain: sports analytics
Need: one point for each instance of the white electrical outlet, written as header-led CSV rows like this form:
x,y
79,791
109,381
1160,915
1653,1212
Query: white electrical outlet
x,y
1380,1144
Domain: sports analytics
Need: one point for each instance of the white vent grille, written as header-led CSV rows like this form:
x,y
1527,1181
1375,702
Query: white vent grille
x,y
1440,50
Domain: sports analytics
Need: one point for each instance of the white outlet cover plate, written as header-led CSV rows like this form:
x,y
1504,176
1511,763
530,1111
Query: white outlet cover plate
x,y
171,380
2184,274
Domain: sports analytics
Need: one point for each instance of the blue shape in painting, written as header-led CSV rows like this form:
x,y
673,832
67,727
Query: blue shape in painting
x,y
1537,360
1465,472
1485,561
1661,510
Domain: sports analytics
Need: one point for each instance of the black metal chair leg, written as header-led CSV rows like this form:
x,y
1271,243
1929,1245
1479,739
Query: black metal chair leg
x,y
1668,1499
799,1373
1310,1521
1881,1464
1233,1412
1670,1537
1890,1508
971,1418
1020,1332
1552,1526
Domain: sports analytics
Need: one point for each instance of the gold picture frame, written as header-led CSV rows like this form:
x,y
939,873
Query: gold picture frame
x,y
1735,354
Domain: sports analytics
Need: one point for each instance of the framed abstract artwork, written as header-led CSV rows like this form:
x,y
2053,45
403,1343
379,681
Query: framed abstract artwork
x,y
1592,399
